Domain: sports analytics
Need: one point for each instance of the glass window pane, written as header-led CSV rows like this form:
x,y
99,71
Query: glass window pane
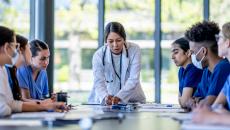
x,y
219,11
177,16
75,43
138,20
15,14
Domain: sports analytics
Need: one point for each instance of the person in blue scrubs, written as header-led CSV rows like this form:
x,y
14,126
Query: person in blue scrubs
x,y
204,49
24,58
10,54
189,76
32,78
203,114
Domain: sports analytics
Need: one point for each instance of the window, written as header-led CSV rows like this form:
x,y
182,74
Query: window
x,y
177,16
15,14
219,11
138,20
76,35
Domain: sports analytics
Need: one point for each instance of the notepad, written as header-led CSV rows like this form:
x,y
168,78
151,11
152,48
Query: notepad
x,y
37,115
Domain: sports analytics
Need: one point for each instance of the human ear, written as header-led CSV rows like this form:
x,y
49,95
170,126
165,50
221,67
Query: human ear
x,y
188,53
228,43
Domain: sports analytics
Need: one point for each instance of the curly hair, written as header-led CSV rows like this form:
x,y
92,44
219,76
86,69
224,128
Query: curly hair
x,y
204,33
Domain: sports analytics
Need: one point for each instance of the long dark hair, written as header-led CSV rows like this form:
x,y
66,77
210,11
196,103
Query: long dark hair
x,y
22,41
183,43
37,46
6,35
114,27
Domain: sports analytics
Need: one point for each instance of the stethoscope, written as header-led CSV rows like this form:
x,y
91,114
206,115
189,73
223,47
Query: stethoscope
x,y
103,62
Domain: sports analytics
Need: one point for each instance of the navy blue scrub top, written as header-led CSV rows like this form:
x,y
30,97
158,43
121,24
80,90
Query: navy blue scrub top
x,y
189,77
212,83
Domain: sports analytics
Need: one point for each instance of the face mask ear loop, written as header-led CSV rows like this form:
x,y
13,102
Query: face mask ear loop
x,y
199,51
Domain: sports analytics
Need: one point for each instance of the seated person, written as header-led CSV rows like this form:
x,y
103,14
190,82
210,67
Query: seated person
x,y
204,49
10,55
204,114
24,58
32,78
189,75
116,69
224,51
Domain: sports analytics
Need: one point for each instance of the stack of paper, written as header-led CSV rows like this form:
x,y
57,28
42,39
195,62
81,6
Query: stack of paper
x,y
37,115
193,126
160,108
10,122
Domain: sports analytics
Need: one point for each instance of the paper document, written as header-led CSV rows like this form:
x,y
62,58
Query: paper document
x,y
159,106
11,122
37,115
193,126
182,116
161,110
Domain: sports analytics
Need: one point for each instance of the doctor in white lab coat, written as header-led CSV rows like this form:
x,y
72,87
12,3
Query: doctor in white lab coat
x,y
116,69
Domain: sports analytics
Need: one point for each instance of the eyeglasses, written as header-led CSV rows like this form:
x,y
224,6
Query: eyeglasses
x,y
45,58
218,36
17,46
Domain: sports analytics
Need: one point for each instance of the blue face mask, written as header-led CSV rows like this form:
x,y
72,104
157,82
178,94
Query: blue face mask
x,y
195,62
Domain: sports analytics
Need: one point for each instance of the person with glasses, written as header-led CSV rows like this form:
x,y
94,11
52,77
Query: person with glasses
x,y
204,114
10,55
204,49
32,78
116,69
24,58
189,76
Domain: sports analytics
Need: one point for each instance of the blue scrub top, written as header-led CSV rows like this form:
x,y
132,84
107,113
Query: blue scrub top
x,y
189,77
226,91
212,83
38,89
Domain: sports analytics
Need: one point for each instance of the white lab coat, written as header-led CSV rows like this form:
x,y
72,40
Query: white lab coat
x,y
7,102
131,90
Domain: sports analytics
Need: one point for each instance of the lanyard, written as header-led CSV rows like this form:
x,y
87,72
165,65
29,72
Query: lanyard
x,y
119,77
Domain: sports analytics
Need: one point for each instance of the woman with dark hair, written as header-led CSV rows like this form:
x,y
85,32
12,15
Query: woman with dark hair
x,y
24,58
32,78
9,55
189,76
116,69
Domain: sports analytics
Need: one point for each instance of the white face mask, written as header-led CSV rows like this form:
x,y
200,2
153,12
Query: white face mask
x,y
14,58
197,63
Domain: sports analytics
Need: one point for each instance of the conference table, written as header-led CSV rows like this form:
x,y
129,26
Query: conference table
x,y
148,118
